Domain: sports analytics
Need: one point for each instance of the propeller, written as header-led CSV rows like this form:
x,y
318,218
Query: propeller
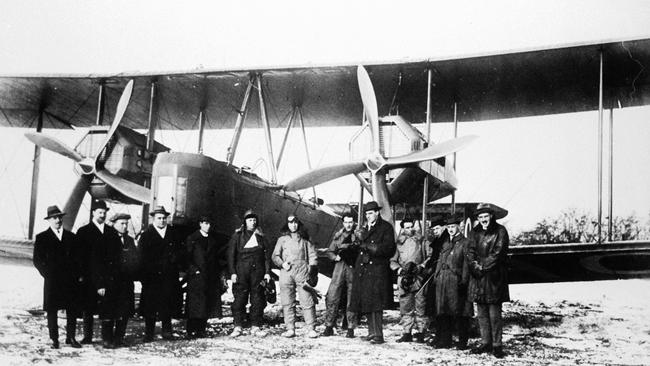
x,y
376,162
88,165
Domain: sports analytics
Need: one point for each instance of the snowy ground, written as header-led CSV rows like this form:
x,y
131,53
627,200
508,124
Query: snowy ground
x,y
574,323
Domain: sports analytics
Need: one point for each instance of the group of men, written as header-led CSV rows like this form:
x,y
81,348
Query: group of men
x,y
438,280
93,271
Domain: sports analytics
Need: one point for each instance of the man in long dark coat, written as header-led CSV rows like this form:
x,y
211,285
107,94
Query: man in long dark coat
x,y
249,262
453,309
114,268
162,256
439,237
93,234
54,260
204,278
488,287
372,288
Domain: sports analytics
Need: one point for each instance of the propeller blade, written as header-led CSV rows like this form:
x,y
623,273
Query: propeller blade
x,y
369,105
119,113
324,174
54,145
74,201
432,152
381,195
125,187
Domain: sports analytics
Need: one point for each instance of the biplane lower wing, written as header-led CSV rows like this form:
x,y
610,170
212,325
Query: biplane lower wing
x,y
17,251
579,262
528,264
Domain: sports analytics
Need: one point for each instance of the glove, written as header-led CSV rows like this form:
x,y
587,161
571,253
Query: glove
x,y
267,278
313,276
286,266
233,278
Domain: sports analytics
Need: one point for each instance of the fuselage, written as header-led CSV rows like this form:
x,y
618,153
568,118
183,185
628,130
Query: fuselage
x,y
190,185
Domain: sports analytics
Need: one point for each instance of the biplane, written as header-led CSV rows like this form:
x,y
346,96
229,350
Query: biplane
x,y
114,162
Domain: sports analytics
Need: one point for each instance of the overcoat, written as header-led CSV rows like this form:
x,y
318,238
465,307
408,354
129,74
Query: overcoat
x,y
372,288
114,268
487,256
430,291
88,238
55,261
206,260
162,260
452,278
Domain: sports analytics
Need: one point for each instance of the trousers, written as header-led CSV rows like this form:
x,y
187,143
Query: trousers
x,y
53,325
412,307
490,323
375,324
341,281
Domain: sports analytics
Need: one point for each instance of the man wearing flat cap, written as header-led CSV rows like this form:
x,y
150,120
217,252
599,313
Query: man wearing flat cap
x,y
162,255
94,234
54,259
114,268
249,262
488,287
372,288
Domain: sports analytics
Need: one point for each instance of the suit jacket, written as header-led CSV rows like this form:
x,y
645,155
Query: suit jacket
x,y
55,261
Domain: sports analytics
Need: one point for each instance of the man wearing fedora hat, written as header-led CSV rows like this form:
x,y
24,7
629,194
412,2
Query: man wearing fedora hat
x,y
162,255
372,288
54,260
488,287
94,234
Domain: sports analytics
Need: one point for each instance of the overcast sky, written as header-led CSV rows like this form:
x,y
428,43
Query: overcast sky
x,y
542,164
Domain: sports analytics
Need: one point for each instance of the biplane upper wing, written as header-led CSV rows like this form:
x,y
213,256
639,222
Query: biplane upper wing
x,y
514,84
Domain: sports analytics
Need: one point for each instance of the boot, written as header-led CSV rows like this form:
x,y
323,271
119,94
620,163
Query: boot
x,y
484,348
350,333
419,337
72,342
236,332
406,337
329,331
310,321
55,344
497,351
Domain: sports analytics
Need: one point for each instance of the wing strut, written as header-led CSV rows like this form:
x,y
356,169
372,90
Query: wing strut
x,y
239,125
425,187
36,166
